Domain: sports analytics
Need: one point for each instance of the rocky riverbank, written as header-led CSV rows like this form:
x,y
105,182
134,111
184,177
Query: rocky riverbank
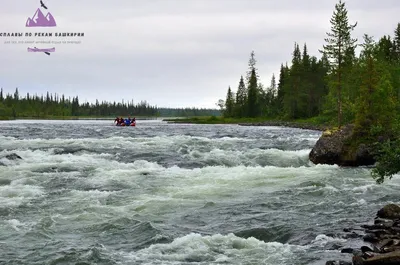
x,y
299,125
383,237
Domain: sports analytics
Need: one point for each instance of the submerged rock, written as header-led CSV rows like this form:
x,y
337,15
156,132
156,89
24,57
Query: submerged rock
x,y
13,156
339,147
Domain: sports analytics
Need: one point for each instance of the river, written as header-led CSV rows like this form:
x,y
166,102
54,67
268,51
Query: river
x,y
88,192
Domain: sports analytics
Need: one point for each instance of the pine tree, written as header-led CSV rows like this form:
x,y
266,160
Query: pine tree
x,y
262,99
229,104
281,92
252,66
385,49
397,42
270,97
307,93
241,99
16,94
252,98
376,102
339,47
1,95
293,85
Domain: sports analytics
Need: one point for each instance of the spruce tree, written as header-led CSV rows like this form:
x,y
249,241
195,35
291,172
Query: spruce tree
x,y
281,92
252,66
376,102
307,93
340,46
293,85
16,94
1,95
252,98
397,42
270,97
229,104
241,99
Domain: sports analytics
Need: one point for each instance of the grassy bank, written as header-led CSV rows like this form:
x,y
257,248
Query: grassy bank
x,y
73,118
213,120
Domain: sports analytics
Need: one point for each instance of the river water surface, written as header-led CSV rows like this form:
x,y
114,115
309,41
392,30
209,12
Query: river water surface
x,y
87,192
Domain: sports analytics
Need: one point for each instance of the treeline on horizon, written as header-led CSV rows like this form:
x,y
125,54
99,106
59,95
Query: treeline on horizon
x,y
338,88
14,106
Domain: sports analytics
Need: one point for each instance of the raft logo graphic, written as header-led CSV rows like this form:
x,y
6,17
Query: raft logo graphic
x,y
40,20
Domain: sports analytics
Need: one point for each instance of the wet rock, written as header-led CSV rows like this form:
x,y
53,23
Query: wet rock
x,y
371,238
377,226
336,148
384,222
357,260
390,211
337,262
368,249
392,258
347,250
5,182
384,236
352,235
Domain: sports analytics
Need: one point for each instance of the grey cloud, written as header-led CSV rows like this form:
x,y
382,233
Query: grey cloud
x,y
172,52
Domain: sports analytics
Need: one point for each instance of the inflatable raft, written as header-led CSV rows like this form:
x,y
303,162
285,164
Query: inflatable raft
x,y
125,124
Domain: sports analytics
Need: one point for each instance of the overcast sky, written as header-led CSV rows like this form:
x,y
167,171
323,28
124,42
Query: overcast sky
x,y
173,53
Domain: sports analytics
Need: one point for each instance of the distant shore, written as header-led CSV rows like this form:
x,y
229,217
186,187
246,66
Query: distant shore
x,y
73,118
310,125
304,124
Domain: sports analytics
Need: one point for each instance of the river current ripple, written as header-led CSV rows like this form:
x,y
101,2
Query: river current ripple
x,y
88,192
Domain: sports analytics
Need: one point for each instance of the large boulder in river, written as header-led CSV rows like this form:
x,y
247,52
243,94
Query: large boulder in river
x,y
340,147
390,211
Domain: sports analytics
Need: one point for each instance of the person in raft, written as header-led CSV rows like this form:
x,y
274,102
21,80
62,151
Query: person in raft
x,y
119,121
127,121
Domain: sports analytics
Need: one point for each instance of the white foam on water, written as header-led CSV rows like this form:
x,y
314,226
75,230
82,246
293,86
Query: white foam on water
x,y
251,157
322,240
14,224
216,249
15,194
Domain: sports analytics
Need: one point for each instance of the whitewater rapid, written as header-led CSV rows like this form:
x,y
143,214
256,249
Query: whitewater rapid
x,y
158,193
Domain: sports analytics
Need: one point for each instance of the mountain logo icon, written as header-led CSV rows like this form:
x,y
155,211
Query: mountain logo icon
x,y
40,20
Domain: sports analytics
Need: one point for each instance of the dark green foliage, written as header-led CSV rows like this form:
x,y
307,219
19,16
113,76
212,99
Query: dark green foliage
x,y
252,66
269,101
229,104
241,99
388,161
253,97
396,42
15,106
339,49
283,74
376,104
340,87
